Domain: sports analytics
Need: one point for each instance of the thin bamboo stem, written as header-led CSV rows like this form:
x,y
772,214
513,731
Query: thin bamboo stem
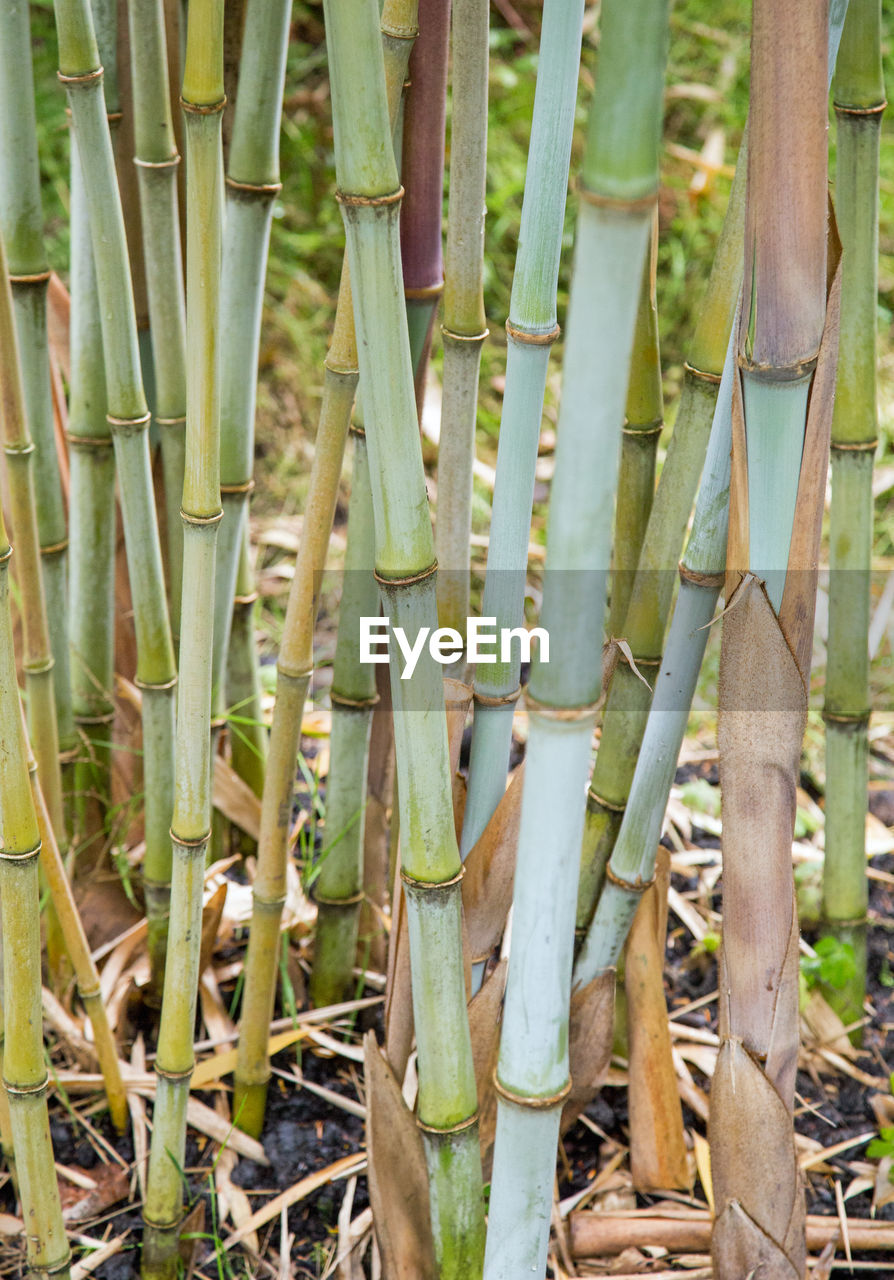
x,y
431,870
531,329
619,190
24,1068
859,96
248,732
464,329
339,887
203,103
295,663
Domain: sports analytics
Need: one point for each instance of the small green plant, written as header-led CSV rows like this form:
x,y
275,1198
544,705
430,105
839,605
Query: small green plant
x,y
833,965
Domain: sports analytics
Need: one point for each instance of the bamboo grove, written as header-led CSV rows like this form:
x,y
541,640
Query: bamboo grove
x,y
517,914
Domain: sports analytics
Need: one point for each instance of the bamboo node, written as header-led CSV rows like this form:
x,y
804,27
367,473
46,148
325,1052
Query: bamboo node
x,y
399,32
323,901
88,442
247,600
129,426
201,521
204,108
35,277
532,1103
532,339
876,109
499,700
623,204
356,430
861,718
190,842
22,857
174,1077
564,715
372,202
646,431
793,372
39,668
107,717
340,370
701,374
422,292
114,117
171,163
58,1268
409,579
425,885
460,1127
255,188
603,803
155,686
86,78
857,446
26,1090
353,704
700,579
54,548
245,487
218,723
19,450
5,557
172,422
450,335
70,754
639,885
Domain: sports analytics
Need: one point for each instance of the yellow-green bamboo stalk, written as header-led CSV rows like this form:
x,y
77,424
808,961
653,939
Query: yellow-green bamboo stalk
x,y
128,416
203,103
21,222
157,160
24,1064
464,327
859,97
338,889
779,462
248,733
370,195
18,453
643,424
295,664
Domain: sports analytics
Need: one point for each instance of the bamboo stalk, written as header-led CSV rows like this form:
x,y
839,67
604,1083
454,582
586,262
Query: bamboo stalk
x,y
339,887
370,197
643,424
248,732
530,330
203,103
619,190
422,174
21,222
627,706
24,1069
859,96
464,329
779,461
295,664
157,161
127,414
252,188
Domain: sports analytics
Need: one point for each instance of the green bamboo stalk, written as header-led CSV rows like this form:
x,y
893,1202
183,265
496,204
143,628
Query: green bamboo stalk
x,y
248,733
157,160
643,424
619,191
405,567
252,187
531,329
24,1067
203,103
627,706
859,97
422,174
91,528
339,887
127,414
21,222
779,462
295,664
464,328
